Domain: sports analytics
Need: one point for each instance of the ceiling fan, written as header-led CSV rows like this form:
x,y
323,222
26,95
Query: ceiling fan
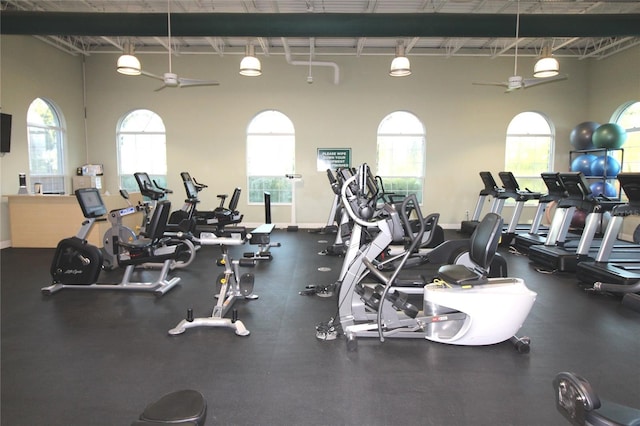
x,y
170,79
516,81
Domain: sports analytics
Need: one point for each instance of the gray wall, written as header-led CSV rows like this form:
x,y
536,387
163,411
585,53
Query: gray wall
x,y
206,127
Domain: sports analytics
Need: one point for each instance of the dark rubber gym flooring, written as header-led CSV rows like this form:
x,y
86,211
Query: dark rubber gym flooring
x,y
97,358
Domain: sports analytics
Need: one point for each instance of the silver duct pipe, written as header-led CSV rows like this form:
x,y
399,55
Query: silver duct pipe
x,y
336,69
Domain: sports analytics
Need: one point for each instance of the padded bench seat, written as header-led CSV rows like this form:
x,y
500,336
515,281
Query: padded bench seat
x,y
262,234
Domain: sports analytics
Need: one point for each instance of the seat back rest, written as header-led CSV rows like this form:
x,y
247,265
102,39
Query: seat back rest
x,y
158,222
235,198
189,187
484,240
147,188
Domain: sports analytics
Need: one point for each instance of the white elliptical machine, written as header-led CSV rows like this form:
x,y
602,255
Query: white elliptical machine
x,y
462,307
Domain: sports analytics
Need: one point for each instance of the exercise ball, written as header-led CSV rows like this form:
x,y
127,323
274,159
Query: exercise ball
x,y
605,165
582,163
578,219
580,136
606,189
610,136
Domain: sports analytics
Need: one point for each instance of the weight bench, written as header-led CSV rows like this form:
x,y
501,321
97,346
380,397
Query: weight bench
x,y
180,408
261,236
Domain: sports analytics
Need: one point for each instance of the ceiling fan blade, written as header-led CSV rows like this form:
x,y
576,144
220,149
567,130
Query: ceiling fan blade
x,y
190,82
530,82
148,74
160,88
490,83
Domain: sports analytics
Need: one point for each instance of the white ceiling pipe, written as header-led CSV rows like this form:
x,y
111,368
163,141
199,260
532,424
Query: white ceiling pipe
x,y
336,69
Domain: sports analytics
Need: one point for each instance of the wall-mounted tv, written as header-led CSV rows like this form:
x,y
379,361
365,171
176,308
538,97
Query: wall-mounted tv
x,y
5,132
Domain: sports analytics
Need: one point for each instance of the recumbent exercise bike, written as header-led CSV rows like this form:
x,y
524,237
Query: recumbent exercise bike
x,y
77,263
179,233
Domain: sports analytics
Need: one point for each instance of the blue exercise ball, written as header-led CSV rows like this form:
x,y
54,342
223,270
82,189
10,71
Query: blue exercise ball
x,y
605,165
606,189
610,136
580,136
582,163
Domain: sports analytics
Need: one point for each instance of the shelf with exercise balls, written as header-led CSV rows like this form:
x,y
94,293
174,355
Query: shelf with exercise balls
x,y
598,154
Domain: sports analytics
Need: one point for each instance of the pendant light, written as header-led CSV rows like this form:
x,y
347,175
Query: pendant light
x,y
250,65
547,65
400,66
128,64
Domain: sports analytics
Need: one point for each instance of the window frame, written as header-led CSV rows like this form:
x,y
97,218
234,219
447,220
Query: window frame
x,y
51,182
282,189
631,156
422,135
538,184
127,180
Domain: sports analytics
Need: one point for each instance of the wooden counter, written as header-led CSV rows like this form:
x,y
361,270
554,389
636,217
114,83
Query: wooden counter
x,y
43,220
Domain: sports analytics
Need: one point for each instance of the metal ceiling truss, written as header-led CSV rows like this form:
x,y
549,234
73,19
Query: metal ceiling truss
x,y
454,20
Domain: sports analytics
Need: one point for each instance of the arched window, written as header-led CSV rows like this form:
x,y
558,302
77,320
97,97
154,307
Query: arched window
x,y
270,156
401,154
142,147
46,138
628,116
529,149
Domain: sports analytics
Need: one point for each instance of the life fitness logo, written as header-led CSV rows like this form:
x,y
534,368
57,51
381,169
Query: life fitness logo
x,y
72,272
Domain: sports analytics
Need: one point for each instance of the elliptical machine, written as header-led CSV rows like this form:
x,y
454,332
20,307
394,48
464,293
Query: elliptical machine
x,y
464,307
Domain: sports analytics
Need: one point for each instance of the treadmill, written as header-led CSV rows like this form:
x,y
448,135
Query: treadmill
x,y
603,269
512,190
492,189
555,254
536,235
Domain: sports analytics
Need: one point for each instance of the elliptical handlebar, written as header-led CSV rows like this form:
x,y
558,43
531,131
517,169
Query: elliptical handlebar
x,y
414,244
356,194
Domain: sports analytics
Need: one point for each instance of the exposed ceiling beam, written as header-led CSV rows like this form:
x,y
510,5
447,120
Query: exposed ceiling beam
x,y
318,24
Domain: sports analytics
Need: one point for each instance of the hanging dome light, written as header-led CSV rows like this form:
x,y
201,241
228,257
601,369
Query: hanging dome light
x,y
400,66
547,65
128,65
250,65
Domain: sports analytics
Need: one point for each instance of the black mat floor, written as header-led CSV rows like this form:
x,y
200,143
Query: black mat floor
x,y
97,358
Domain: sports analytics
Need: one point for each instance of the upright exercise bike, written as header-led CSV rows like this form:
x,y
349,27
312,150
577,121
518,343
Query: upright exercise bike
x,y
231,286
